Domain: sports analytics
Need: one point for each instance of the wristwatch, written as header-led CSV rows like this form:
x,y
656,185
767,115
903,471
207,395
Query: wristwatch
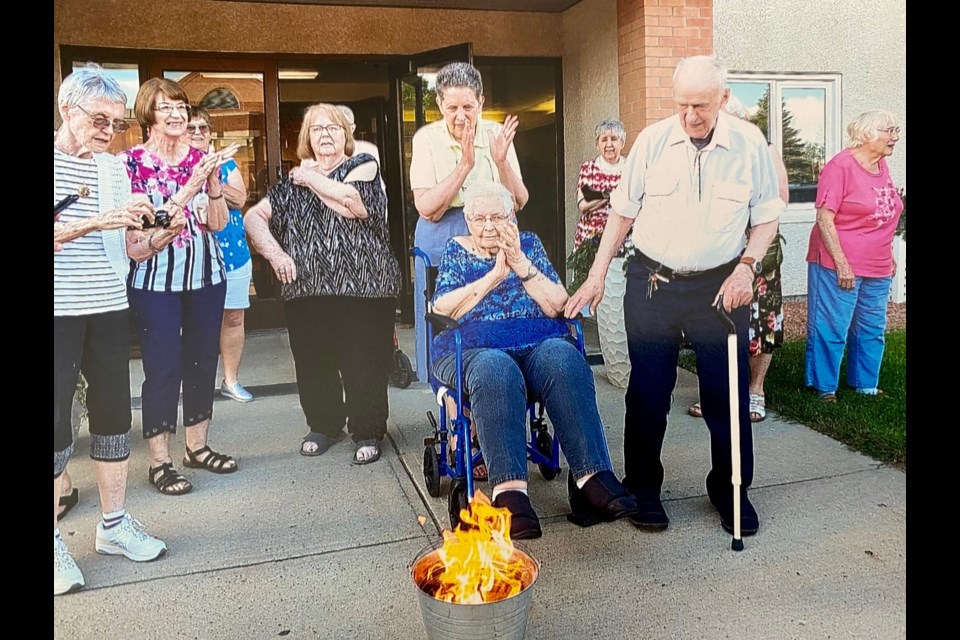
x,y
532,273
753,263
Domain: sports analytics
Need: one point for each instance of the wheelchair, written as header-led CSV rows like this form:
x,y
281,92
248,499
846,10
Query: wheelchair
x,y
543,447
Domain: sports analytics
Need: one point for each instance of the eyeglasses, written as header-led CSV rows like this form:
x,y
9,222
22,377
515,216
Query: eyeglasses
x,y
103,122
330,129
202,128
890,131
496,219
167,109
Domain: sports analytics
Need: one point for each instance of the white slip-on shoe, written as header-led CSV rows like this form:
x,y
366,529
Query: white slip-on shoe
x,y
129,539
235,391
66,573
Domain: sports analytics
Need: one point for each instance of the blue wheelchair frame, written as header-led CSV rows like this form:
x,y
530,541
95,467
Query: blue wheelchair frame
x,y
543,449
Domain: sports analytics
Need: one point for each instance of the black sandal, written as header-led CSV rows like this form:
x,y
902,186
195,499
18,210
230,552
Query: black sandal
x,y
68,502
215,462
166,479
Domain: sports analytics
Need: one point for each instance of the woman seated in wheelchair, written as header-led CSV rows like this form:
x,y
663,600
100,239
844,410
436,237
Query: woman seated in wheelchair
x,y
500,286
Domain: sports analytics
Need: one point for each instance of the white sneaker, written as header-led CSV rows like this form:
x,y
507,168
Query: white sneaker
x,y
129,539
66,573
235,391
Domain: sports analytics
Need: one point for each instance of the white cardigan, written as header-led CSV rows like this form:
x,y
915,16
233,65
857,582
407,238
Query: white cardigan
x,y
114,188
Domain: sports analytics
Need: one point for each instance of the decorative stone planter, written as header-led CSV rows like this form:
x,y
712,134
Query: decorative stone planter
x,y
613,334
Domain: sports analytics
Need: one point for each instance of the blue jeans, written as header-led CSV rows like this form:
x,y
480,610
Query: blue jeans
x,y
655,329
555,372
855,318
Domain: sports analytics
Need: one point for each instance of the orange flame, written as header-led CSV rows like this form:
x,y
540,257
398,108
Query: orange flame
x,y
478,562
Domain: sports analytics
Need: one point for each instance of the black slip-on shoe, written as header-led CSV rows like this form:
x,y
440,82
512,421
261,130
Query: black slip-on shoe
x,y
524,522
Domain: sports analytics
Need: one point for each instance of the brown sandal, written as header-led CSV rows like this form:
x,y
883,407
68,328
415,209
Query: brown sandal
x,y
695,410
215,462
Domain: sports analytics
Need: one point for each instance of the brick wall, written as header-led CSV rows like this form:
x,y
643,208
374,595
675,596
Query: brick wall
x,y
652,36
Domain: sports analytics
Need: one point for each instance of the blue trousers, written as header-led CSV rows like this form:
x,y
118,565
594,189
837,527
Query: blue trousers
x,y
838,318
497,383
431,238
179,336
655,328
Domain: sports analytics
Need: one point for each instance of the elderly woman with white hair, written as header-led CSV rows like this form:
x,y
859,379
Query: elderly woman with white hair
x,y
90,310
499,284
850,259
598,177
448,155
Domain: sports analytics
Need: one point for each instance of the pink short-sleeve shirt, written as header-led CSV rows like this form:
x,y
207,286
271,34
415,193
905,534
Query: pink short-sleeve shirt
x,y
867,208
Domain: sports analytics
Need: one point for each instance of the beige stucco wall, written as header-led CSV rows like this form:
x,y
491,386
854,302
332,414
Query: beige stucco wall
x,y
863,40
590,89
204,25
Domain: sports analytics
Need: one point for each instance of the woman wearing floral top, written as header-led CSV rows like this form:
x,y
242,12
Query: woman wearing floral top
x,y
501,288
176,296
598,177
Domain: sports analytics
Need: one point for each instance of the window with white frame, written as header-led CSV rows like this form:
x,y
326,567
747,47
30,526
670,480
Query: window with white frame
x,y
806,127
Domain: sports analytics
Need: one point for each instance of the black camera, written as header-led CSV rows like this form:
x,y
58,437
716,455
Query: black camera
x,y
161,219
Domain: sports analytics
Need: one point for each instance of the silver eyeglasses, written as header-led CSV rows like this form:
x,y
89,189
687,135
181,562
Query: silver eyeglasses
x,y
496,218
890,131
167,109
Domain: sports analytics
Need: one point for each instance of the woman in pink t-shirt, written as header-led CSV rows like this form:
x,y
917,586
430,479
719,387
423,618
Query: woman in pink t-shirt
x,y
850,259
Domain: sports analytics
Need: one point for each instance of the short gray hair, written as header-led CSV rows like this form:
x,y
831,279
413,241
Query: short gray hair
x,y
864,127
704,63
348,112
735,108
89,84
459,74
487,189
612,125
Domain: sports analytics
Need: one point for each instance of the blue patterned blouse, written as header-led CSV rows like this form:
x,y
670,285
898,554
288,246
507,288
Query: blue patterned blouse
x,y
232,239
507,318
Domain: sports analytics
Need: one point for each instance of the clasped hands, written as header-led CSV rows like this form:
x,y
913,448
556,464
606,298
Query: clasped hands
x,y
509,255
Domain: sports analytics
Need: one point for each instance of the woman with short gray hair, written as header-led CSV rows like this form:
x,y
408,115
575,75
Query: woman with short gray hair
x,y
449,155
93,210
598,177
850,260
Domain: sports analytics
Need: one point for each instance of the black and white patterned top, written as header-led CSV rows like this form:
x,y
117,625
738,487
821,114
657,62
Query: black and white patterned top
x,y
334,255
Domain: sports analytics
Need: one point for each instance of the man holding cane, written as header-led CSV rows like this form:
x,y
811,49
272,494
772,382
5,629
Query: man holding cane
x,y
691,185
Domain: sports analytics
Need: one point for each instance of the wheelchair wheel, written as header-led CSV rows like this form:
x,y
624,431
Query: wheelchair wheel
x,y
402,374
456,501
431,471
545,446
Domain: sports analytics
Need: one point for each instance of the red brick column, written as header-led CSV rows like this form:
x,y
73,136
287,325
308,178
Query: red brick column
x,y
652,36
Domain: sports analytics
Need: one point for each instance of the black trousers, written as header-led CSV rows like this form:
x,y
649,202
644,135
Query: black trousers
x,y
342,350
99,346
655,327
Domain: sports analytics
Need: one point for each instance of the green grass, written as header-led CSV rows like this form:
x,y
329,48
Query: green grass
x,y
875,426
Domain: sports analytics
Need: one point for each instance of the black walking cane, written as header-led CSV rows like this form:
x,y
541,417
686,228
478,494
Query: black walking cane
x,y
737,542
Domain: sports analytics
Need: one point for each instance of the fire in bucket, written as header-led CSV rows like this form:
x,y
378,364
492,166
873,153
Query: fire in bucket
x,y
476,578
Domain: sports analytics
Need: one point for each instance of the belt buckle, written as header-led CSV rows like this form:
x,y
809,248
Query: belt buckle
x,y
684,274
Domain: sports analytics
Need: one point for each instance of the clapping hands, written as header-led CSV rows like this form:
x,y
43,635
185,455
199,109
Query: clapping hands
x,y
500,144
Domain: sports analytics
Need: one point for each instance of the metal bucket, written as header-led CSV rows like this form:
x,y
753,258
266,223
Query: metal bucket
x,y
504,620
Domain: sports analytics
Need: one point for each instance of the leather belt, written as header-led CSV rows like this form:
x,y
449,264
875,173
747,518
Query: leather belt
x,y
669,274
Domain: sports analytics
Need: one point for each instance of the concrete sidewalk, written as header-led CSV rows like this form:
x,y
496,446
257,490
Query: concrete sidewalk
x,y
301,547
